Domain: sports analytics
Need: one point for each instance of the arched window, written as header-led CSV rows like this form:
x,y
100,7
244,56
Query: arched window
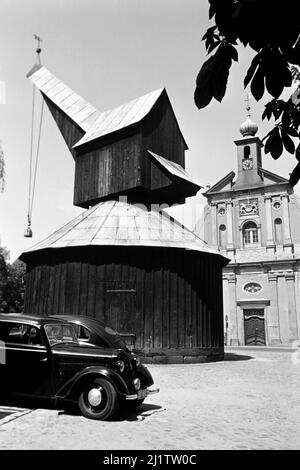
x,y
246,151
222,236
250,233
278,230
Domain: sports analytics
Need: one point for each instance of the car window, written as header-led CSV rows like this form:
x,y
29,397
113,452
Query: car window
x,y
60,334
20,333
34,337
82,333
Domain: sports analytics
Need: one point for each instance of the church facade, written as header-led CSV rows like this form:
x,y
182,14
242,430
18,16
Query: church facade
x,y
253,218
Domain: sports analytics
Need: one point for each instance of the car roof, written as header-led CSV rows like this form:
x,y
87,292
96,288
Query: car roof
x,y
32,319
83,320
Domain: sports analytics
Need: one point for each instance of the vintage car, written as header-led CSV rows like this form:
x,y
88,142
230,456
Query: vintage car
x,y
42,357
93,332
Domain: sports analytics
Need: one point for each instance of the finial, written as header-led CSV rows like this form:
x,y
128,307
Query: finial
x,y
248,107
38,49
248,128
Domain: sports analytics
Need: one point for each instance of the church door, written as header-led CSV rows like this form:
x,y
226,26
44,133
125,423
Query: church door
x,y
254,325
120,306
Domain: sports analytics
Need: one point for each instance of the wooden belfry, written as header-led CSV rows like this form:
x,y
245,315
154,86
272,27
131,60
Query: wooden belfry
x,y
123,261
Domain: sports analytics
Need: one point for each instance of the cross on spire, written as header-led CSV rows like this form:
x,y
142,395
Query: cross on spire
x,y
248,107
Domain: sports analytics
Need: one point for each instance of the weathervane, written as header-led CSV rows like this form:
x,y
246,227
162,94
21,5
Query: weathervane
x,y
38,49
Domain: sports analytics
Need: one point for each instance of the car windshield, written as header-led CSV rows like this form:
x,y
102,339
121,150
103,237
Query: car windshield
x,y
60,334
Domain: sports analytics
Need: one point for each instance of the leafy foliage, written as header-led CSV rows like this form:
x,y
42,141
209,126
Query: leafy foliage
x,y
15,286
272,30
12,283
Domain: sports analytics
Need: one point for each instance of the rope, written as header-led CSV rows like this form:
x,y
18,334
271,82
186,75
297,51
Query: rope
x,y
37,156
32,176
31,152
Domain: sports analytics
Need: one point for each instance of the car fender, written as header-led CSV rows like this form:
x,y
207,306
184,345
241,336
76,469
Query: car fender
x,y
144,375
71,388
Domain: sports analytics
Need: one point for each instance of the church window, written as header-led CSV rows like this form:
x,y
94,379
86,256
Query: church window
x,y
247,151
222,236
250,233
276,205
278,230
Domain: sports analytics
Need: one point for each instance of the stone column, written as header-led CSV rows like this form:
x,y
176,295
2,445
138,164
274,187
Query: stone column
x,y
214,234
297,289
292,313
232,320
283,308
272,320
270,239
287,242
229,225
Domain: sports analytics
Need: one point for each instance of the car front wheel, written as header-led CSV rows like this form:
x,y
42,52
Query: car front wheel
x,y
98,400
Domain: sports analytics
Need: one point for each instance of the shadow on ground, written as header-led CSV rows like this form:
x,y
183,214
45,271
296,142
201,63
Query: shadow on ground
x,y
71,408
138,414
236,357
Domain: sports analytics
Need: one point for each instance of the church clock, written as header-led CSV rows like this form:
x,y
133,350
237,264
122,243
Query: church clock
x,y
247,164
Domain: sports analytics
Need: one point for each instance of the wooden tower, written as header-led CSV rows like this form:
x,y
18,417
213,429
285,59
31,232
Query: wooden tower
x,y
124,260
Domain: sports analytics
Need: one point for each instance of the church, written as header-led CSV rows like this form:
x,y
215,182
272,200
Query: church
x,y
253,218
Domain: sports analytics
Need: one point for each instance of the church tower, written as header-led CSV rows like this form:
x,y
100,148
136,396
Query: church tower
x,y
253,217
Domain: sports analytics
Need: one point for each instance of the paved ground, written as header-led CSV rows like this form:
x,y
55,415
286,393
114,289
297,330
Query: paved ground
x,y
249,403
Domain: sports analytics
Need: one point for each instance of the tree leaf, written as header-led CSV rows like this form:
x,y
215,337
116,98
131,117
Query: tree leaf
x,y
202,96
274,143
287,142
292,131
251,69
212,46
297,153
268,111
204,91
233,52
258,83
222,65
205,73
295,175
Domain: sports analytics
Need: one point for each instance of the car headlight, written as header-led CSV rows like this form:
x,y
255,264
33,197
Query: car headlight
x,y
137,384
137,360
120,365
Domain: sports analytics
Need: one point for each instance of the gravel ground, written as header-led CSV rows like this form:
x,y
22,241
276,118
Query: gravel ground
x,y
249,401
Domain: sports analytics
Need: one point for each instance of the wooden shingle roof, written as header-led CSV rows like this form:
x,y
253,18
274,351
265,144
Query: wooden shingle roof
x,y
174,169
73,105
118,223
94,123
123,116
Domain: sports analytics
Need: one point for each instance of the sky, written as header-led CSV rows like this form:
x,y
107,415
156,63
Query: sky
x,y
110,52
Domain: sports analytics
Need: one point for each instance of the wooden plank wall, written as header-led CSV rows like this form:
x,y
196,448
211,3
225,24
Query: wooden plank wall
x,y
174,296
69,130
107,171
161,135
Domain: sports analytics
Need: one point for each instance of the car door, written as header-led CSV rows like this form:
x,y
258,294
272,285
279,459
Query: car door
x,y
28,365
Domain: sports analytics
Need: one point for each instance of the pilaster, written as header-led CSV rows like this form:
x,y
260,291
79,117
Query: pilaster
x,y
270,246
292,313
287,242
273,322
233,319
214,224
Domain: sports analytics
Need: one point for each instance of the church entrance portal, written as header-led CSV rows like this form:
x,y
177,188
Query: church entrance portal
x,y
254,326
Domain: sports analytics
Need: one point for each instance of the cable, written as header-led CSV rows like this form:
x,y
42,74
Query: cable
x,y
37,157
31,153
